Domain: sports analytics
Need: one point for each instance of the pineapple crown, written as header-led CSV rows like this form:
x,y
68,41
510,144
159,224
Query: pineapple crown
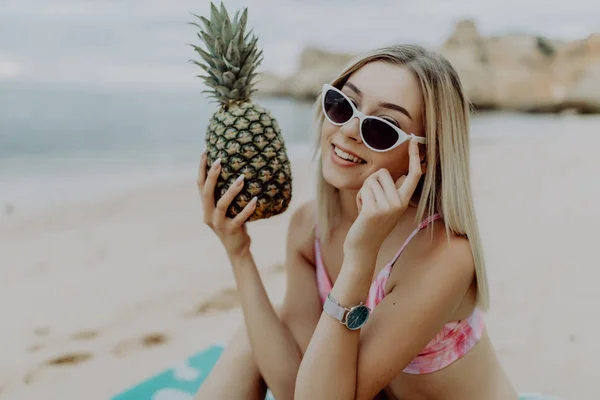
x,y
231,56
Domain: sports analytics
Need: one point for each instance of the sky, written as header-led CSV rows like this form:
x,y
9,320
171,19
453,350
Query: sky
x,y
123,43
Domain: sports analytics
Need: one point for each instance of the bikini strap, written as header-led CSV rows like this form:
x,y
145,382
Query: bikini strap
x,y
421,226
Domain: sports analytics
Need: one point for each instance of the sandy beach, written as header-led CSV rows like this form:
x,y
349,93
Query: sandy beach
x,y
97,296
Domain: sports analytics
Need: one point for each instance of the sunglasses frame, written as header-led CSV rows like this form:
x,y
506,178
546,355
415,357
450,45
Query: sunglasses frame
x,y
402,136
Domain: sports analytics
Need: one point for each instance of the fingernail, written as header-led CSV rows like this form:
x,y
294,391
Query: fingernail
x,y
239,179
217,162
254,199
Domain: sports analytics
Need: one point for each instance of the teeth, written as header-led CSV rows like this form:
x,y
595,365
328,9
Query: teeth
x,y
346,156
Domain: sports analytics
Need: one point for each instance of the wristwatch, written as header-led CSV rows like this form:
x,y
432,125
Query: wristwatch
x,y
353,318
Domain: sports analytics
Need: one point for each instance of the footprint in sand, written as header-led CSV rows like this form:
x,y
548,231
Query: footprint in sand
x,y
60,361
69,359
226,299
42,331
85,335
150,340
35,347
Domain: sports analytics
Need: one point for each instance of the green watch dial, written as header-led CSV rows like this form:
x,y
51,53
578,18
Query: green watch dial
x,y
357,317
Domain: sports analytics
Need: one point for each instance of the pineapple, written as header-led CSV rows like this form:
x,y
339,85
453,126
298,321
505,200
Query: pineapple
x,y
244,135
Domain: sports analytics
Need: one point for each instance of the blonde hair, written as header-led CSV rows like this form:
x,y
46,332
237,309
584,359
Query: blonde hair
x,y
446,187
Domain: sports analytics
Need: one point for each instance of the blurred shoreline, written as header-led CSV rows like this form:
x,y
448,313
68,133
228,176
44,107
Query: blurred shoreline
x,y
34,183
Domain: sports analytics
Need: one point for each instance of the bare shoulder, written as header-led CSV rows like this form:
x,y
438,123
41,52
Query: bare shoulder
x,y
441,261
434,249
447,245
302,229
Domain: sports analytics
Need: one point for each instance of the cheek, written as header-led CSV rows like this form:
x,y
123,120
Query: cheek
x,y
395,162
327,130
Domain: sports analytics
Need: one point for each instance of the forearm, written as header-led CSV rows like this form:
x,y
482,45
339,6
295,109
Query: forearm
x,y
330,364
274,347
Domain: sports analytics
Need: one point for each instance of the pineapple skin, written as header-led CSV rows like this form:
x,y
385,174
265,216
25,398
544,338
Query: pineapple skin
x,y
248,140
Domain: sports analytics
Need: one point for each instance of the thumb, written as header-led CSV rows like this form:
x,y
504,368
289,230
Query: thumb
x,y
400,181
359,200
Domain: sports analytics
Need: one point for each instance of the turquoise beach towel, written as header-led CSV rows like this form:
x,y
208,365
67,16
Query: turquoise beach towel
x,y
182,381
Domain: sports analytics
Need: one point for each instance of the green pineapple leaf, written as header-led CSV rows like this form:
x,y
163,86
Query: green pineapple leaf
x,y
226,31
240,83
214,13
210,43
220,47
224,14
235,94
228,78
229,56
235,22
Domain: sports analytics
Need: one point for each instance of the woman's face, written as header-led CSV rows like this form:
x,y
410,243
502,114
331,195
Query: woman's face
x,y
371,88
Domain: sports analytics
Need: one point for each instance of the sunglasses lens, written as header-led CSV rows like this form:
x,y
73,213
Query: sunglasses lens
x,y
378,134
337,108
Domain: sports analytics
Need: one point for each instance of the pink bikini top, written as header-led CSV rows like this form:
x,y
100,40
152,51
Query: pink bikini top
x,y
451,343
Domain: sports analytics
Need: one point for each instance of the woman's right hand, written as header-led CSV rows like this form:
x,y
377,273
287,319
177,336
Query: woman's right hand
x,y
231,231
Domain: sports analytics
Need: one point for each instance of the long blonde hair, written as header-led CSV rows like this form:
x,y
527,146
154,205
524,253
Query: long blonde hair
x,y
446,187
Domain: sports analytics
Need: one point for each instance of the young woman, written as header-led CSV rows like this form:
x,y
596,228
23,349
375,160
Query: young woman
x,y
386,279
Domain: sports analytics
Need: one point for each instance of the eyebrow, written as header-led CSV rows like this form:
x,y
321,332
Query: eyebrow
x,y
389,106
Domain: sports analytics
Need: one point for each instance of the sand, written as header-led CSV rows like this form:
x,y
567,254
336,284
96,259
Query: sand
x,y
96,296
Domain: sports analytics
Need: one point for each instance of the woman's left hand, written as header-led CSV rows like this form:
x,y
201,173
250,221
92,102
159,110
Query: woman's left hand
x,y
381,202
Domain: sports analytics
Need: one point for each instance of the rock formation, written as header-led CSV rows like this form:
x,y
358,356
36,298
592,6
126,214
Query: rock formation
x,y
510,72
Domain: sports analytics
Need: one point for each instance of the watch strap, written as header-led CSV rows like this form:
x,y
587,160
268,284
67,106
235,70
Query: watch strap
x,y
332,307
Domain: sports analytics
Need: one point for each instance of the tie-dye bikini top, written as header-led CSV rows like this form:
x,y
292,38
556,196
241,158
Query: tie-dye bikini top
x,y
452,342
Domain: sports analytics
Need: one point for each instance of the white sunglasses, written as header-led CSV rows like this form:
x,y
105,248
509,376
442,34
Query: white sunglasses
x,y
376,133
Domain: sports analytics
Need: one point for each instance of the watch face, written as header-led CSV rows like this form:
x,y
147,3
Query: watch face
x,y
357,317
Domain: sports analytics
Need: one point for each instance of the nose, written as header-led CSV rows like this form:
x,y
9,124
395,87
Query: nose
x,y
351,129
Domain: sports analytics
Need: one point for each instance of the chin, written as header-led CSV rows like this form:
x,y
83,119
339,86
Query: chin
x,y
340,183
341,178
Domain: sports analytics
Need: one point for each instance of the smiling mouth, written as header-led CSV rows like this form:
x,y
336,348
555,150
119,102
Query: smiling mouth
x,y
346,156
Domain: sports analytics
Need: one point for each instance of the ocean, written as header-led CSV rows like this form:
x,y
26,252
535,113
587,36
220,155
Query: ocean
x,y
60,146
61,143
98,96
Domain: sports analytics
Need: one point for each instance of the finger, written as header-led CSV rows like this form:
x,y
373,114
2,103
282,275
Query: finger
x,y
415,160
202,172
414,173
208,196
367,197
400,181
359,200
225,201
378,193
241,218
387,183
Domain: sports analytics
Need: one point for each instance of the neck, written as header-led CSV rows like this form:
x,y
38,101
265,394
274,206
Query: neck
x,y
348,207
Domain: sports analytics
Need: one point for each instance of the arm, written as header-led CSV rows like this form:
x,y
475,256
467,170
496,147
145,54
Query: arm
x,y
343,364
277,348
278,344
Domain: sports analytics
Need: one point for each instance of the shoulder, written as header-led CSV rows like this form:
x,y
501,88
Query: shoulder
x,y
437,261
304,216
301,230
438,251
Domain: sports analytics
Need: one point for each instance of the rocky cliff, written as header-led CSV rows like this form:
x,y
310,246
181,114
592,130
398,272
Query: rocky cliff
x,y
509,72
